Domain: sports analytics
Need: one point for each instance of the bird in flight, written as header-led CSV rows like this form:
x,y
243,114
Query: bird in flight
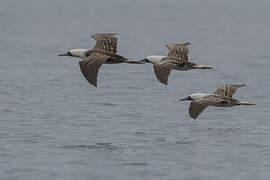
x,y
177,59
222,97
104,52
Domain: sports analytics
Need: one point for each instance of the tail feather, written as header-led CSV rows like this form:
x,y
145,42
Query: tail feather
x,y
246,103
198,66
133,61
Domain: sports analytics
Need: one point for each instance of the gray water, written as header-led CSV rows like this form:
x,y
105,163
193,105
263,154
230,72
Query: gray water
x,y
54,125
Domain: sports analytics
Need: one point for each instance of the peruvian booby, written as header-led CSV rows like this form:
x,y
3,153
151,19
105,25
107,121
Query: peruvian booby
x,y
104,52
222,97
177,59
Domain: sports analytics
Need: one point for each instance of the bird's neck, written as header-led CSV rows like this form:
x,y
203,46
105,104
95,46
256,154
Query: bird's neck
x,y
79,53
198,96
154,59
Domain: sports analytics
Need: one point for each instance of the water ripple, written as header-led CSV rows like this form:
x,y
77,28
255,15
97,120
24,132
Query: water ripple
x,y
135,164
97,146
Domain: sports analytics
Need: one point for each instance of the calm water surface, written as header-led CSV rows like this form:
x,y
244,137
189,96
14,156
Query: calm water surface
x,y
54,125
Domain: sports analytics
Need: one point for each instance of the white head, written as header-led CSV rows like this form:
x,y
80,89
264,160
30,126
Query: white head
x,y
194,97
79,53
153,59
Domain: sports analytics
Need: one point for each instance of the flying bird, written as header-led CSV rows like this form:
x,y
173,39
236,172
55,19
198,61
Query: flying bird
x,y
222,97
177,59
104,52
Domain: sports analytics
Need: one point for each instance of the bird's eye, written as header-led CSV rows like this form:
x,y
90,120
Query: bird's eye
x,y
69,54
145,60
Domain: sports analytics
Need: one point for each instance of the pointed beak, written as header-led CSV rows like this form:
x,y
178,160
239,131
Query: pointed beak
x,y
145,60
186,99
198,66
65,54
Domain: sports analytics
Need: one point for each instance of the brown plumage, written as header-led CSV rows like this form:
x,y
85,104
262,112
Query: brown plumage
x,y
163,70
105,42
90,66
177,59
227,90
104,52
222,97
197,107
178,52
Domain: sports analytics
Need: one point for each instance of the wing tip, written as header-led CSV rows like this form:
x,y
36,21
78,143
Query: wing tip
x,y
164,82
193,116
242,85
81,63
103,33
237,85
185,44
92,83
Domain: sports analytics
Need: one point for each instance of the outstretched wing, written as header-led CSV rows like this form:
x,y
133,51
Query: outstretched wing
x,y
197,107
163,70
105,42
178,51
90,66
227,89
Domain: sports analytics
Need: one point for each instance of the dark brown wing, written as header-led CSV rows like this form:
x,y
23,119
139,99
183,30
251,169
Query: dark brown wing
x,y
105,42
197,107
90,66
227,90
178,51
162,71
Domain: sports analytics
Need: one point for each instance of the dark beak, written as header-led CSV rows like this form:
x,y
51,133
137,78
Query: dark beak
x,y
65,54
145,60
186,99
